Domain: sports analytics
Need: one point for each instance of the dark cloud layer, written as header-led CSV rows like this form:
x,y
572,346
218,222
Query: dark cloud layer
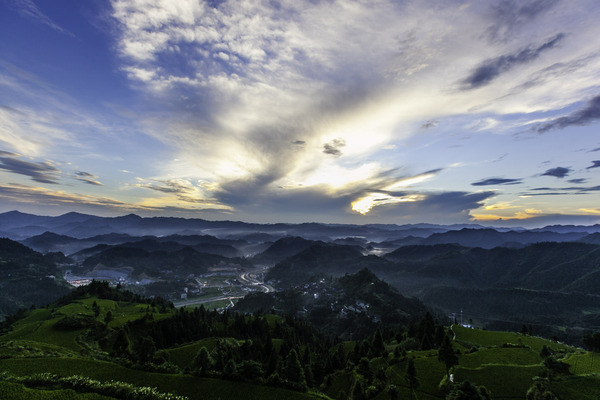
x,y
43,172
558,172
491,69
496,181
582,117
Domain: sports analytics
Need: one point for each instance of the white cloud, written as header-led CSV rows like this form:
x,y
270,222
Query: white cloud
x,y
246,80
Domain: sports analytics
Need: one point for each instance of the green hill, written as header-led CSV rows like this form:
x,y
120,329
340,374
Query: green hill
x,y
27,278
102,343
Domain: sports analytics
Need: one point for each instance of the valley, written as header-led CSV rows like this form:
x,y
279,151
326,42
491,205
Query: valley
x,y
356,305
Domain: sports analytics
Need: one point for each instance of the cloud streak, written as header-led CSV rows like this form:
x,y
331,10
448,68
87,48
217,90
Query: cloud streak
x,y
496,181
587,115
493,68
28,9
42,172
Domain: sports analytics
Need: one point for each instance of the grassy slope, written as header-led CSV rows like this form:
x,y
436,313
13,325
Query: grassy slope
x,y
15,391
35,346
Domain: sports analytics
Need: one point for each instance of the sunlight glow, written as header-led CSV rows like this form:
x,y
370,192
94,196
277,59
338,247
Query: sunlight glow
x,y
366,204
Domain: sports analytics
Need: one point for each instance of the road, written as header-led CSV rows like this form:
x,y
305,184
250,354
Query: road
x,y
249,279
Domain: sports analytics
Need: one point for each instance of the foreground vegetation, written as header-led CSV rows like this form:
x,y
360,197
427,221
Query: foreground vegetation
x,y
102,343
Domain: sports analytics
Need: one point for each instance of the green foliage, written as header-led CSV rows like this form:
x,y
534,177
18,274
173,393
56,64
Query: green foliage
x,y
540,390
467,391
447,355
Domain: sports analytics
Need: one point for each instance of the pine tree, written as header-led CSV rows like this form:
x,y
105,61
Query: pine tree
x,y
293,372
447,355
377,344
203,362
411,376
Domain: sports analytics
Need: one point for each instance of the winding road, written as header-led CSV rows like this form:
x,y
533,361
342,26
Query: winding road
x,y
249,279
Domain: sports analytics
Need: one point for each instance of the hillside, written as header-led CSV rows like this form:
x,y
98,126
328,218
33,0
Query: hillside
x,y
101,343
350,306
27,278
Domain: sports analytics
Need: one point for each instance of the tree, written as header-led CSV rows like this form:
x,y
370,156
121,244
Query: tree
x,y
467,391
592,342
293,372
121,344
393,392
447,355
411,376
540,390
96,309
203,362
364,368
145,349
108,317
377,345
545,353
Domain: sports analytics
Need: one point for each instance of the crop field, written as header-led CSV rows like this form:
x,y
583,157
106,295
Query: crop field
x,y
501,380
184,385
497,339
577,387
507,356
15,391
584,363
183,355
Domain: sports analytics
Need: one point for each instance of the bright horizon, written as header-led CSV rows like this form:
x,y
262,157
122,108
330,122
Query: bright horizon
x,y
331,111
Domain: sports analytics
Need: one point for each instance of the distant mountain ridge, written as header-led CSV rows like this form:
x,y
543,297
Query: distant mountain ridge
x,y
20,226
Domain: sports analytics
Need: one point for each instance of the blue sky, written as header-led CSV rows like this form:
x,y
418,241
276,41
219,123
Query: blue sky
x,y
329,111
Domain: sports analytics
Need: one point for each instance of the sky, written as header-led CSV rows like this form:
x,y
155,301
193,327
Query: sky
x,y
378,111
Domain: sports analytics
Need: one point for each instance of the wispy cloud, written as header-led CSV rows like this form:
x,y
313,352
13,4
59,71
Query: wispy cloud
x,y
42,172
87,178
497,181
510,16
588,114
595,164
491,69
28,9
185,191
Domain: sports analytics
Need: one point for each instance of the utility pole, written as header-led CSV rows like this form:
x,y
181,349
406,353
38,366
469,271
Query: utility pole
x,y
461,324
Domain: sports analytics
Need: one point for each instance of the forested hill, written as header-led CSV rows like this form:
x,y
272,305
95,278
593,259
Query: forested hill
x,y
27,277
350,306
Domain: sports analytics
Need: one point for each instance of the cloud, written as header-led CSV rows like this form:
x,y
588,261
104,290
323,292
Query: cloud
x,y
558,172
432,123
509,16
334,147
40,197
184,191
595,164
577,180
590,113
42,172
492,68
440,207
28,9
88,178
497,181
8,154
